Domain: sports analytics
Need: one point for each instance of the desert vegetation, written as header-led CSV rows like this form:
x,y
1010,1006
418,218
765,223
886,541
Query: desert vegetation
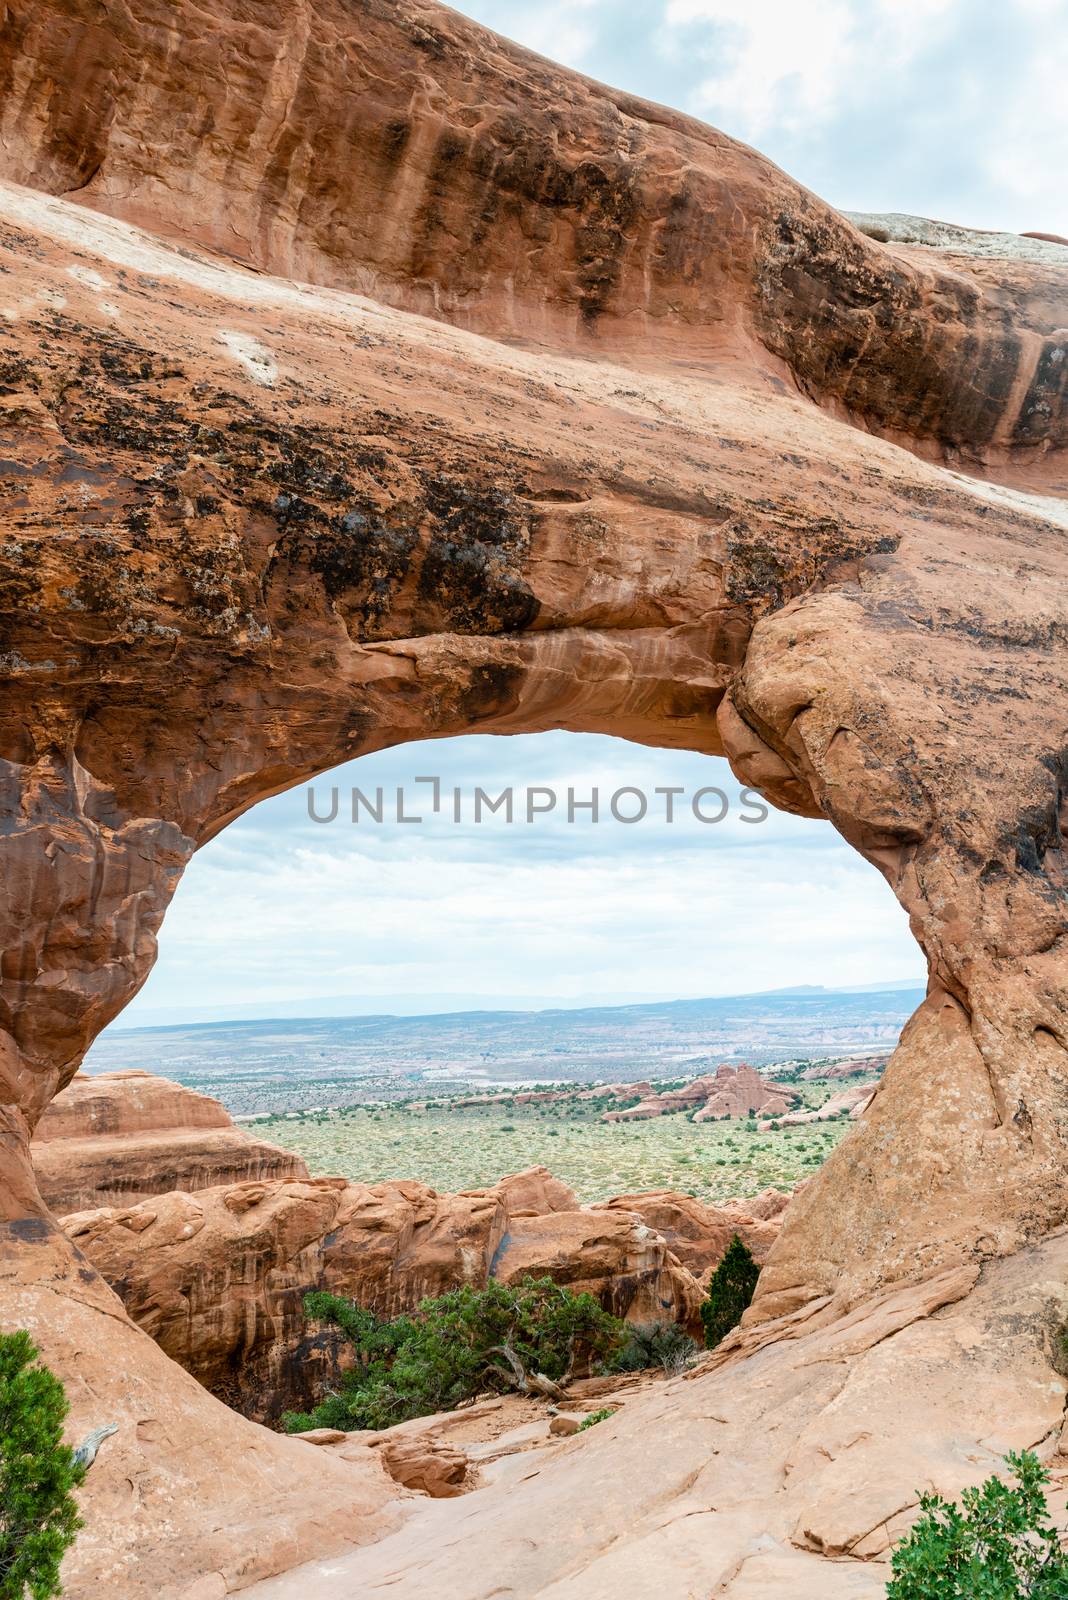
x,y
531,1339
997,1544
453,1145
730,1292
38,1474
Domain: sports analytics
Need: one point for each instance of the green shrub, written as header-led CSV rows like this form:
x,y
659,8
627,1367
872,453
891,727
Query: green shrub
x,y
595,1417
529,1337
38,1472
655,1344
730,1291
997,1545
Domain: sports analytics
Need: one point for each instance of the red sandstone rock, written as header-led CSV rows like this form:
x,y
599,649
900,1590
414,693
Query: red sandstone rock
x,y
218,1277
848,1069
121,1137
854,1102
433,1467
697,1234
768,1204
728,1092
616,1091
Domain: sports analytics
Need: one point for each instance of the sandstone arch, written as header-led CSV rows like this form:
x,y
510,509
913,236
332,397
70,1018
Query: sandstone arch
x,y
581,416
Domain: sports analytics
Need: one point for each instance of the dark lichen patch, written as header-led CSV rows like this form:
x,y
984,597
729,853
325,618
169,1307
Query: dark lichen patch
x,y
366,556
775,555
359,521
492,690
471,572
1044,403
939,361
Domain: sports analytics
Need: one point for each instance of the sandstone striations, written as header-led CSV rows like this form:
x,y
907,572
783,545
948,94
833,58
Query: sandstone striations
x,y
581,416
121,1137
217,1278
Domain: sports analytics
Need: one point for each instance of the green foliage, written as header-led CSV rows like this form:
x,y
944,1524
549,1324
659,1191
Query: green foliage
x,y
456,1346
655,1344
38,1514
997,1545
595,1417
730,1291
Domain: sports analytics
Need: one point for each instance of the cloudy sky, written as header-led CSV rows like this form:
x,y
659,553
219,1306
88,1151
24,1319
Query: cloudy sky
x,y
284,914
949,108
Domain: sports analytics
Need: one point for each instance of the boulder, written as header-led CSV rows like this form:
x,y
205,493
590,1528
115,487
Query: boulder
x,y
434,1467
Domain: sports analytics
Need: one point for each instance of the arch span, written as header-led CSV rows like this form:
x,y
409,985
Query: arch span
x,y
246,583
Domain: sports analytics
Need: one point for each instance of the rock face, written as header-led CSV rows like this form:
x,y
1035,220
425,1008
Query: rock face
x,y
853,1068
217,1278
739,569
852,1102
698,1235
728,1092
121,1137
672,451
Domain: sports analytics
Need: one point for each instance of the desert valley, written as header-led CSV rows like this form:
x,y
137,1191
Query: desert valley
x,y
368,380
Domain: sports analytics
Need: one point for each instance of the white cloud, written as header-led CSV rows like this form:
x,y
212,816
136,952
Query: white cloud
x,y
563,31
778,64
278,907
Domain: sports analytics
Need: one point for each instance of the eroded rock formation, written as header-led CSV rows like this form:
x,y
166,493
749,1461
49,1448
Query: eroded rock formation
x,y
582,417
852,1102
787,1473
853,1067
727,1092
217,1278
121,1137
698,1234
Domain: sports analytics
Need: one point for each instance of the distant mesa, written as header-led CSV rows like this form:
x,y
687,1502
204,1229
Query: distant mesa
x,y
122,1137
728,1092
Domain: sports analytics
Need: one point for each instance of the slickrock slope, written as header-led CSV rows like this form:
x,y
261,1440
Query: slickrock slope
x,y
727,1092
188,1501
787,1472
218,1277
585,417
121,1137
